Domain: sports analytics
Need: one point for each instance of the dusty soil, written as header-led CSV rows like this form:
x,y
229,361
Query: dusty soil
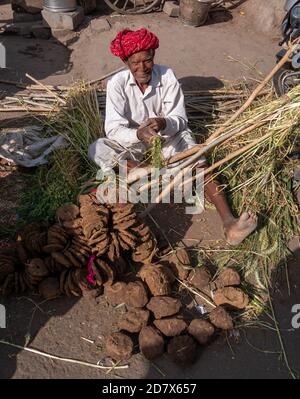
x,y
76,328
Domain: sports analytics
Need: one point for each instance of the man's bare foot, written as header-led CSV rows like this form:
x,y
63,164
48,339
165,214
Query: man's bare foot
x,y
238,229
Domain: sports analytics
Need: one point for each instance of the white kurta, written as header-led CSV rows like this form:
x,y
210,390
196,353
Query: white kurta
x,y
127,108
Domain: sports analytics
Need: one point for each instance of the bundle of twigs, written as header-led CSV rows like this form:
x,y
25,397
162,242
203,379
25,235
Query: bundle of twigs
x,y
202,106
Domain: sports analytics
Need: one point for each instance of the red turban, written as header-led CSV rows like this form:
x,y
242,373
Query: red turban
x,y
128,42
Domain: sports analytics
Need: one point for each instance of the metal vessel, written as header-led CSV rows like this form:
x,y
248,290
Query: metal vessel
x,y
194,12
60,5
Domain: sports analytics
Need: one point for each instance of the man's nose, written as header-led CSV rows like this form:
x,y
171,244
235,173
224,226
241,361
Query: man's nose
x,y
142,67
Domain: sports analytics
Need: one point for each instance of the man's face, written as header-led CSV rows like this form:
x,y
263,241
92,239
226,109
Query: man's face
x,y
141,66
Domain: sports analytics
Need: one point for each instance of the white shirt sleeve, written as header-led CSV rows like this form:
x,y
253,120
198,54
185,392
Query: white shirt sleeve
x,y
173,107
116,124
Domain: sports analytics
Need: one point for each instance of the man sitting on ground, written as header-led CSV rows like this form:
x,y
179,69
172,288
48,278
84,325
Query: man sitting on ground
x,y
144,101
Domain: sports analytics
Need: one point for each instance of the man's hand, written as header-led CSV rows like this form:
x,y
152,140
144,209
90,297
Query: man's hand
x,y
146,133
157,124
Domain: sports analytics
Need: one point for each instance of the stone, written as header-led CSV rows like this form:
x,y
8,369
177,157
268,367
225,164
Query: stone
x,y
99,25
63,20
40,31
29,6
171,9
26,17
64,36
297,173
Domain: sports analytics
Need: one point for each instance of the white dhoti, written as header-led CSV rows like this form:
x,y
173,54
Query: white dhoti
x,y
108,153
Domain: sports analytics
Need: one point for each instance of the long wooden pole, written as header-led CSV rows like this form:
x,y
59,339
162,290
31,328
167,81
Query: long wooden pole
x,y
155,182
46,88
185,154
231,156
138,173
208,170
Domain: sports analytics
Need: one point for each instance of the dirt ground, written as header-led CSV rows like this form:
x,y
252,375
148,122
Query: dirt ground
x,y
226,48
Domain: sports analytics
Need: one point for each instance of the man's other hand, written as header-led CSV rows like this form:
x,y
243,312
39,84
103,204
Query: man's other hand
x,y
146,134
157,124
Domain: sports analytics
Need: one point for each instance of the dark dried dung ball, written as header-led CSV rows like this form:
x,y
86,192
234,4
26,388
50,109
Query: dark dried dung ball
x,y
221,319
49,288
116,293
199,277
151,342
134,320
119,346
179,263
171,326
231,297
157,278
201,330
37,267
163,306
136,295
182,349
228,277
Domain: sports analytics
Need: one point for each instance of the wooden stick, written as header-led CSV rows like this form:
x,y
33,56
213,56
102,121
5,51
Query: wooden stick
x,y
91,82
177,179
24,109
46,88
64,359
34,104
199,148
230,157
255,92
185,154
259,124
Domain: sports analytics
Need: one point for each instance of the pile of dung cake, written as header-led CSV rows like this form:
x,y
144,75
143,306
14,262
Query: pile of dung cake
x,y
84,250
89,249
156,317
